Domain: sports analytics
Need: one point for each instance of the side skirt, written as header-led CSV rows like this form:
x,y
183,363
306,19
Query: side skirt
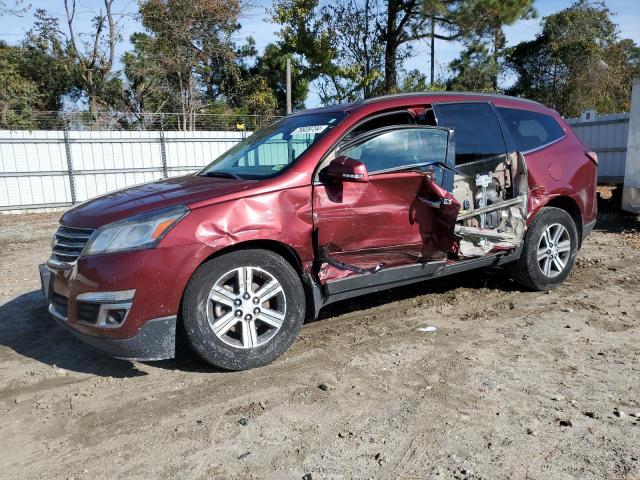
x,y
354,286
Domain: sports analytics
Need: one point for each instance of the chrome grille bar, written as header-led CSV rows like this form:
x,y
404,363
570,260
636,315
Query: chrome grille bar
x,y
68,243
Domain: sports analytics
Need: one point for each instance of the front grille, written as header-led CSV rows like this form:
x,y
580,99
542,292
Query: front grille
x,y
87,312
60,302
68,243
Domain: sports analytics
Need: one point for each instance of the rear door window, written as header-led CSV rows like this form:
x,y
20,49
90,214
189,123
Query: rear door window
x,y
477,132
530,130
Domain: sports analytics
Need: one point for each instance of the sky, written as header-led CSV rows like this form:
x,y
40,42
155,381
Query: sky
x,y
254,23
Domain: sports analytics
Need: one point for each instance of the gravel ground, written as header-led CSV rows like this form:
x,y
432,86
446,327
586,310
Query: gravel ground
x,y
511,385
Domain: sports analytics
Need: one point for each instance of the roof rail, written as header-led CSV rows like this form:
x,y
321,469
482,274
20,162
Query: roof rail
x,y
446,92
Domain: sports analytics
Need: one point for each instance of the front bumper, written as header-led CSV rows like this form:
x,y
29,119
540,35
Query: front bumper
x,y
153,340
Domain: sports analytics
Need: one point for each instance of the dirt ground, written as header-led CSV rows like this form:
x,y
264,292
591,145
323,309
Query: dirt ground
x,y
512,385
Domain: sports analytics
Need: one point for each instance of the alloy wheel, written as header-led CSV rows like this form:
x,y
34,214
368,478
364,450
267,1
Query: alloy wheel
x,y
246,307
554,250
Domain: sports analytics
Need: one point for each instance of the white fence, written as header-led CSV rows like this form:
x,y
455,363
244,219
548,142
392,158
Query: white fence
x,y
607,136
53,169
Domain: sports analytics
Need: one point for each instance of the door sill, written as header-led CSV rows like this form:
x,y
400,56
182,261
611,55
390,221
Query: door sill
x,y
387,278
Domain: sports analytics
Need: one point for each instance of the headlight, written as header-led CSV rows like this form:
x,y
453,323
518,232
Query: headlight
x,y
134,233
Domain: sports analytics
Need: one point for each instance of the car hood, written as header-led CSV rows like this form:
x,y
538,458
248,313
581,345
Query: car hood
x,y
120,204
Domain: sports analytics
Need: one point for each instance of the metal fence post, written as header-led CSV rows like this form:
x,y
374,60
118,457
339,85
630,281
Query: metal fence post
x,y
67,149
163,148
631,183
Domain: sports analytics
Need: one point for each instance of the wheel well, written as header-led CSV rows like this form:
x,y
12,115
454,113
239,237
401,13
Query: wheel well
x,y
570,206
285,251
311,291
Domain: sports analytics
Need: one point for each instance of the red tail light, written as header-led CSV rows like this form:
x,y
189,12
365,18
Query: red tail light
x,y
593,156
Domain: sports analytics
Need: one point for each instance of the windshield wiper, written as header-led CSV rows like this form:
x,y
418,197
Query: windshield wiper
x,y
221,174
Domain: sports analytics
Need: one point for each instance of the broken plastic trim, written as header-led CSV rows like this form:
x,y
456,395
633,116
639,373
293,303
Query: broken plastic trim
x,y
325,258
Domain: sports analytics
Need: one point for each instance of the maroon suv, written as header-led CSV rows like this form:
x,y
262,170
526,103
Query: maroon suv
x,y
322,206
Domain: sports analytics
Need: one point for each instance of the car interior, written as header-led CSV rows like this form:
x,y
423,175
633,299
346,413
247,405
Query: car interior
x,y
490,183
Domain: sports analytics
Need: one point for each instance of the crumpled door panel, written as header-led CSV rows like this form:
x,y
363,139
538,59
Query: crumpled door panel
x,y
435,211
390,221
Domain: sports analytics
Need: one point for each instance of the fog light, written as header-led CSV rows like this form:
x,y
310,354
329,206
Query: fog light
x,y
113,308
115,317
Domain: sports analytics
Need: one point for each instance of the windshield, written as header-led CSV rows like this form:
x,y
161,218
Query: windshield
x,y
268,151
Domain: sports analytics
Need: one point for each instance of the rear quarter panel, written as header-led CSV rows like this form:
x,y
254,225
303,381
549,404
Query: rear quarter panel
x,y
562,169
558,170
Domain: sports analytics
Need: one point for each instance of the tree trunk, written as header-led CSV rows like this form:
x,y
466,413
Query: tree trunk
x,y
391,48
183,117
93,98
93,111
497,41
365,47
433,49
192,113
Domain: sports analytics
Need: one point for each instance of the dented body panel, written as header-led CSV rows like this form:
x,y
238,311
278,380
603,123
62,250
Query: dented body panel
x,y
560,170
385,221
343,237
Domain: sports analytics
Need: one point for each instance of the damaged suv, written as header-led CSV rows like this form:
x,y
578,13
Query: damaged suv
x,y
322,206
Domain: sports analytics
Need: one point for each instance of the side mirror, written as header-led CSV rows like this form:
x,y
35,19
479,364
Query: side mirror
x,y
346,169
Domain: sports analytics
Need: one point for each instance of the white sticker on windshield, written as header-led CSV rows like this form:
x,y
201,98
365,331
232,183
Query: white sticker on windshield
x,y
309,130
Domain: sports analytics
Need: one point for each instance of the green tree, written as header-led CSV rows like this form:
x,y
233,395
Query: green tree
x,y
37,73
93,57
144,89
271,66
243,87
415,81
357,48
473,70
361,48
577,62
44,61
307,37
447,21
190,43
401,24
19,97
485,20
473,21
337,45
304,32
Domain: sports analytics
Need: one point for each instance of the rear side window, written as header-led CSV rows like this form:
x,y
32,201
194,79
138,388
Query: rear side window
x,y
530,130
477,132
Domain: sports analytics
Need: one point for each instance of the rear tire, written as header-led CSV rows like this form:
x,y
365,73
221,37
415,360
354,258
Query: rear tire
x,y
243,309
550,250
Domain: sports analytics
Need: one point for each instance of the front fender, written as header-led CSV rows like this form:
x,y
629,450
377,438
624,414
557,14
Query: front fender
x,y
282,216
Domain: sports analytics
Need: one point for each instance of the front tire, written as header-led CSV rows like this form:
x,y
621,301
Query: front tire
x,y
243,309
550,250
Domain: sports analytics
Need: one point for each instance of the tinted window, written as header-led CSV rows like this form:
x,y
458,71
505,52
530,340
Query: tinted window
x,y
271,149
398,148
476,128
530,130
385,120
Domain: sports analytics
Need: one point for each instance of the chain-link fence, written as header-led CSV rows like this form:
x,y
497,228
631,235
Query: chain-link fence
x,y
122,121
